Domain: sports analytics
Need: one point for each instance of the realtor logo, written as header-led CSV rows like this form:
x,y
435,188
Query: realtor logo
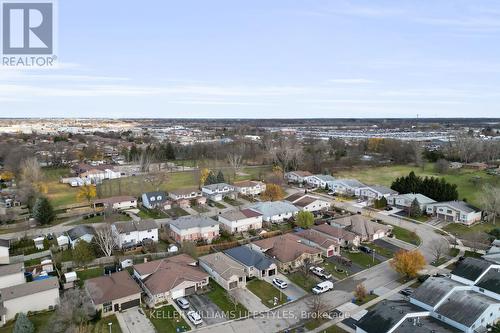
x,y
27,28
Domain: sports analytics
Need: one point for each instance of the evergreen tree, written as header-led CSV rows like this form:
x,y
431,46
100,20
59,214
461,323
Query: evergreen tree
x,y
83,253
220,177
211,179
43,211
23,324
170,152
415,210
435,188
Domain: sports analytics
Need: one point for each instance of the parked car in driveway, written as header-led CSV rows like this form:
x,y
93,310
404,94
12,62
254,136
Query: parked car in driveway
x,y
319,271
194,317
406,292
183,303
280,283
322,287
365,249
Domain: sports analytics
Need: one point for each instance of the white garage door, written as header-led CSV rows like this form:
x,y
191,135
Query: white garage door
x,y
177,293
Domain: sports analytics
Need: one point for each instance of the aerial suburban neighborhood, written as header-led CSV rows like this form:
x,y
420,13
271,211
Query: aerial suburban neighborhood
x,y
326,166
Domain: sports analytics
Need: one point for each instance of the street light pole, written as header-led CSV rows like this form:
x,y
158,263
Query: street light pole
x,y
109,325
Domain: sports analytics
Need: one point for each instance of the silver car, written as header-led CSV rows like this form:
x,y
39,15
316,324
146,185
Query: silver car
x,y
183,303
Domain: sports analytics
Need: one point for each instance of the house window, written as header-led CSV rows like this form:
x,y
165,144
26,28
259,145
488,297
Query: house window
x,y
107,307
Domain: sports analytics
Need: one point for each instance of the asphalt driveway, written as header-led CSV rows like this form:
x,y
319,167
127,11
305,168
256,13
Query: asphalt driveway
x,y
209,312
293,291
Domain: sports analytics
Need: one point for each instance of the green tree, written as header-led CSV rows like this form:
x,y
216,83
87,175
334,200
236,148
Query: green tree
x,y
415,210
211,179
380,203
83,253
43,211
23,324
304,219
220,177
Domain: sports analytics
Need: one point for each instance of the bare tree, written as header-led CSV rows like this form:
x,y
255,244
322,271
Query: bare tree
x,y
490,200
145,160
475,240
234,158
438,250
466,147
105,239
73,313
31,171
317,307
156,179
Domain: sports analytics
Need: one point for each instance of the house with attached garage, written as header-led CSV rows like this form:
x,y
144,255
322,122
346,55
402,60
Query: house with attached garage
x,y
297,177
455,211
194,228
11,275
344,237
117,203
170,278
237,220
328,246
320,181
287,251
404,201
308,203
256,264
347,187
113,293
226,271
131,233
376,192
184,197
366,229
467,302
217,192
275,211
156,200
249,187
33,296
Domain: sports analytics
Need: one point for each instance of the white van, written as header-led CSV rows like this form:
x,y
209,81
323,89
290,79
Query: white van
x,y
322,287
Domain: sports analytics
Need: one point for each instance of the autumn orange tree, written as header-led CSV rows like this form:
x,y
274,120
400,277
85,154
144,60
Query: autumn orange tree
x,y
273,192
408,263
204,175
86,192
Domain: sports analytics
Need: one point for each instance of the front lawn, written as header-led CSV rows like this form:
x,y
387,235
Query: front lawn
x,y
145,213
220,297
461,230
217,204
406,235
115,217
266,292
472,254
176,211
333,268
232,202
305,281
102,326
380,250
367,299
361,258
200,209
39,320
167,320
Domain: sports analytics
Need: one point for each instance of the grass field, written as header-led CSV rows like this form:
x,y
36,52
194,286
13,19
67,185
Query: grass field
x,y
361,258
406,235
386,174
304,281
58,193
460,229
266,292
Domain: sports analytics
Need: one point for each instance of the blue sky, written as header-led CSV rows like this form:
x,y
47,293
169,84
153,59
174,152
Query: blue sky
x,y
266,59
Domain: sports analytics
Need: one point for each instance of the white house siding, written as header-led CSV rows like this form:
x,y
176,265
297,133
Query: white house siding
x,y
241,225
35,302
4,255
317,206
279,218
12,280
125,204
251,190
192,234
452,214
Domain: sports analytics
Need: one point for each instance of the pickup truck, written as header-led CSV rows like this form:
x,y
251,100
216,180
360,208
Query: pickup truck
x,y
319,271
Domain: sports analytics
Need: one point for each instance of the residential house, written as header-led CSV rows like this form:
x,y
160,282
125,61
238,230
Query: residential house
x,y
493,253
132,233
320,181
156,200
184,197
344,237
116,203
237,220
288,251
404,201
170,278
226,271
308,203
468,301
4,251
33,296
256,264
455,211
62,242
376,192
297,177
347,187
249,187
95,173
80,233
12,275
328,246
358,224
275,211
194,228
113,293
216,192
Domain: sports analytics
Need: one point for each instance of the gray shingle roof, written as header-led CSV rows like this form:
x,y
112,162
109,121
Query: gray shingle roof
x,y
273,208
471,268
459,205
249,257
434,289
131,226
385,315
186,222
29,288
11,269
80,231
490,281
